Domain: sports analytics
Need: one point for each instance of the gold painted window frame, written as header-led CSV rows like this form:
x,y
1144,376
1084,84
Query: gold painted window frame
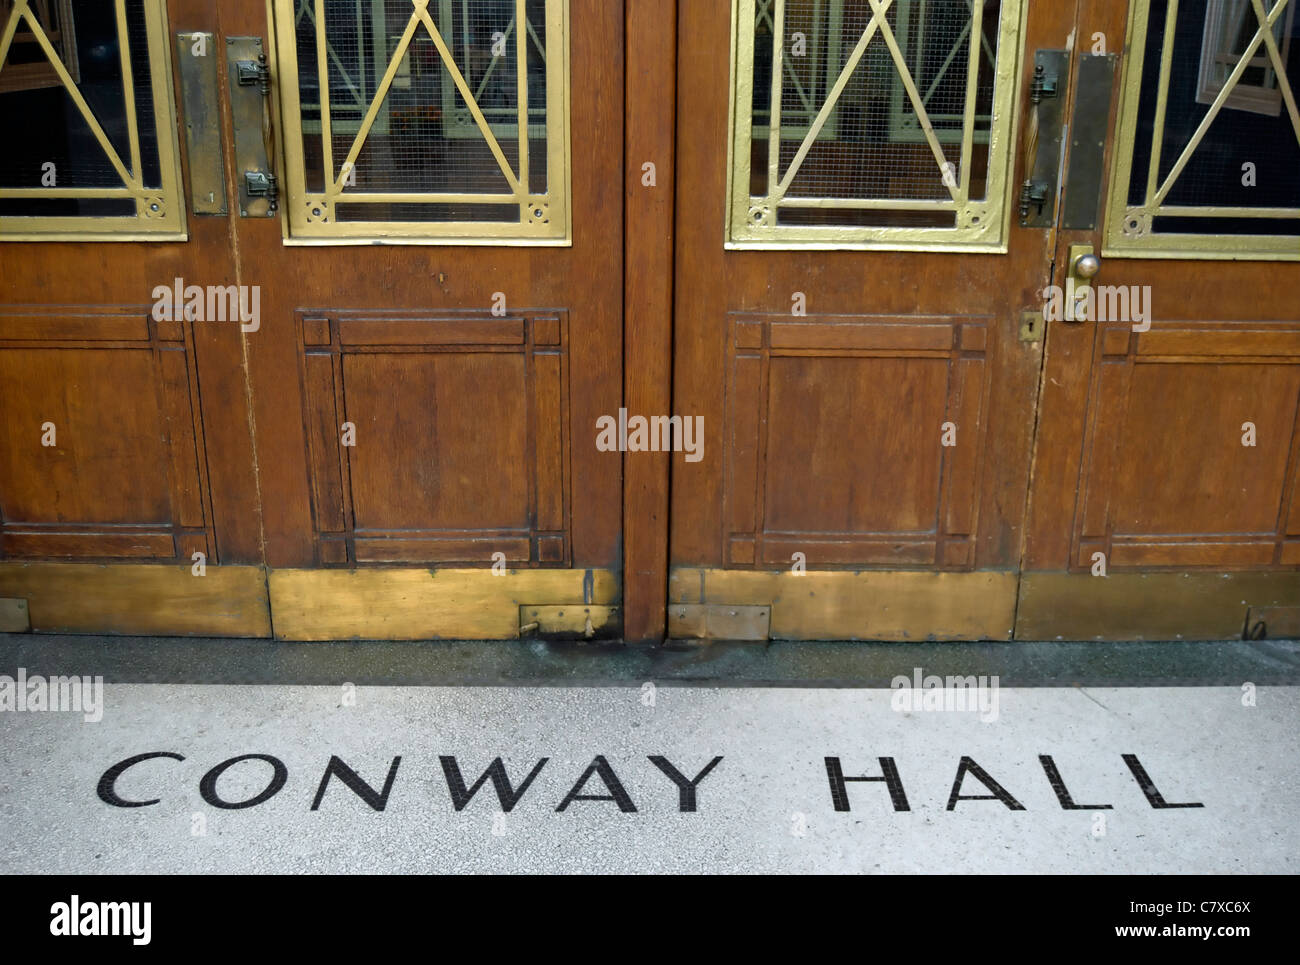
x,y
553,228
1128,228
982,226
160,211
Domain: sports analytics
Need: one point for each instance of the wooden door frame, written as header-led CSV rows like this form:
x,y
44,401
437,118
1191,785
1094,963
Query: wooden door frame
x,y
650,116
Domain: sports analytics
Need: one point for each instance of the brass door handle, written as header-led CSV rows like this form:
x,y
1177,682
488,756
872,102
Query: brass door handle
x,y
251,88
1085,266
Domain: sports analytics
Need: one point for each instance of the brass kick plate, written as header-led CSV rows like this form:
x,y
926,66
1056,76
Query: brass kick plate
x,y
14,617
717,621
573,621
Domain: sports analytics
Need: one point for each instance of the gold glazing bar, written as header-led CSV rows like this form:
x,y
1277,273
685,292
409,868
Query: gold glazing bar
x,y
453,232
411,197
1162,101
20,7
72,192
1126,124
323,73
128,91
286,68
521,86
774,108
1214,211
740,121
559,185
164,113
976,35
869,204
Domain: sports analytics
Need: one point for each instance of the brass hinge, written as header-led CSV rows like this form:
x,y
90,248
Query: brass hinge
x,y
718,621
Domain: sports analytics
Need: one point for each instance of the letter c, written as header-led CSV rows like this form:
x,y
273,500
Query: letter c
x,y
107,784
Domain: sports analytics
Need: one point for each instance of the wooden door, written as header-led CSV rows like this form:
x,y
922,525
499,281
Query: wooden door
x,y
126,458
471,348
398,444
1164,502
905,435
849,296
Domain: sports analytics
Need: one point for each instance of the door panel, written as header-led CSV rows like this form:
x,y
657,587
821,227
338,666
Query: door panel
x,y
877,408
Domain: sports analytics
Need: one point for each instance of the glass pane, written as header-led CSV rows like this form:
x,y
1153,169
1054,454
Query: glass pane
x,y
59,147
1249,155
873,114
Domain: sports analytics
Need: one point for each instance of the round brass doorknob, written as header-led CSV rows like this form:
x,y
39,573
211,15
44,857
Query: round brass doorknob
x,y
1087,266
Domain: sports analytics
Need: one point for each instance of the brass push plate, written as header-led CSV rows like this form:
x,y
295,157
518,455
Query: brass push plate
x,y
718,621
1088,141
196,57
250,89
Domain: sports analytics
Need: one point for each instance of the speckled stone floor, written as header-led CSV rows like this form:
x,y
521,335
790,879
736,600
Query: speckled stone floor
x,y
379,757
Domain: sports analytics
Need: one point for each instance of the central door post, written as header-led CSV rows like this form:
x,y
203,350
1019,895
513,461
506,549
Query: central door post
x,y
650,33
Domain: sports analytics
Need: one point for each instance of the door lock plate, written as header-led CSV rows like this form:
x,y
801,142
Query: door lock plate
x,y
1032,324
